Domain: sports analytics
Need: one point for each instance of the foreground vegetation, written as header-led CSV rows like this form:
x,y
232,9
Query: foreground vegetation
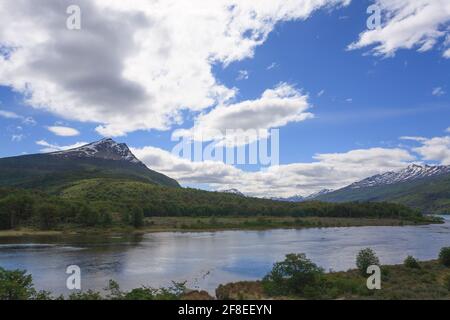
x,y
296,277
104,203
299,278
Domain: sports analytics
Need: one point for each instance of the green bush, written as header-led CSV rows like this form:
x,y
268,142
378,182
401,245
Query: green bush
x,y
16,285
366,258
173,292
137,217
411,262
444,256
292,276
447,282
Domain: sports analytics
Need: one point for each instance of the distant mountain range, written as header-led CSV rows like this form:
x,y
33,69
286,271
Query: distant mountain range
x,y
233,191
423,187
411,173
426,188
104,184
299,198
54,171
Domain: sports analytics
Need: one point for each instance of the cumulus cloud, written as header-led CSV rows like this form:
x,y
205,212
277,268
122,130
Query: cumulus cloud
x,y
134,64
435,149
63,131
250,120
327,171
408,24
48,147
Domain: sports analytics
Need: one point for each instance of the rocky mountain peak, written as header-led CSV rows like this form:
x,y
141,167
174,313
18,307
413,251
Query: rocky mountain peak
x,y
103,149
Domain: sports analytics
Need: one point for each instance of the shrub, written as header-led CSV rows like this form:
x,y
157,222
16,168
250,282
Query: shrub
x,y
447,282
444,256
292,276
137,216
15,285
411,262
366,258
174,292
88,295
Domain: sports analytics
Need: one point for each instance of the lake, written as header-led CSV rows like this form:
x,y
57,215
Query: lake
x,y
207,259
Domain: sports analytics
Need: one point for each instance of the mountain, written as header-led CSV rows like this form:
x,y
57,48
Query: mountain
x,y
426,188
233,191
106,149
299,198
411,173
53,172
313,196
296,198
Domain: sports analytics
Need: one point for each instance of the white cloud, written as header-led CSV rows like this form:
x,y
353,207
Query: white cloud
x,y
438,91
63,131
9,115
320,93
408,24
135,64
242,75
273,65
412,138
17,137
435,149
276,107
13,115
447,53
48,147
328,171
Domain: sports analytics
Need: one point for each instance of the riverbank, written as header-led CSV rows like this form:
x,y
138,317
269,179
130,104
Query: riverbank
x,y
426,280
208,224
429,281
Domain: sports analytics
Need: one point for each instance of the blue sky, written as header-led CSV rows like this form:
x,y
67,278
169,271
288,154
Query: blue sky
x,y
360,99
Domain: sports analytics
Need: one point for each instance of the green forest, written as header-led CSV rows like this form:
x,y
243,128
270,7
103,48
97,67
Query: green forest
x,y
107,202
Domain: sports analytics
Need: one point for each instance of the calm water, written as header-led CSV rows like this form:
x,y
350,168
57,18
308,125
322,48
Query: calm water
x,y
209,258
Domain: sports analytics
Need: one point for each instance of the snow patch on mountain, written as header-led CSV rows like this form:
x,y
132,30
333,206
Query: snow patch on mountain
x,y
317,194
104,149
233,191
299,198
412,172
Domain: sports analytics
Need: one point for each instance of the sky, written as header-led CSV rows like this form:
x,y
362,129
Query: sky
x,y
349,99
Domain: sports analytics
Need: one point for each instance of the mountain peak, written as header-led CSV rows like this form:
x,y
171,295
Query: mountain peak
x,y
233,191
410,173
106,148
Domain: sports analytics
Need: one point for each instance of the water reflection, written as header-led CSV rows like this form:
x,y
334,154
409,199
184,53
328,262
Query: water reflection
x,y
207,259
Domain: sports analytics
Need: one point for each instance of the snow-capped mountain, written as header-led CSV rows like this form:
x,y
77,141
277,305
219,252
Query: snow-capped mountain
x,y
412,172
104,149
299,198
296,198
233,191
317,194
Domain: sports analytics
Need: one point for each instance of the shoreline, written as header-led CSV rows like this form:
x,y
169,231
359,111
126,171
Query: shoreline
x,y
217,224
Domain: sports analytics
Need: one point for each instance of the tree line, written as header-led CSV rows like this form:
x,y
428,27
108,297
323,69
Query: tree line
x,y
132,202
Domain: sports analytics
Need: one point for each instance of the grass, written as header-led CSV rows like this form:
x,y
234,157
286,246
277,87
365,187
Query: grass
x,y
429,282
165,224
